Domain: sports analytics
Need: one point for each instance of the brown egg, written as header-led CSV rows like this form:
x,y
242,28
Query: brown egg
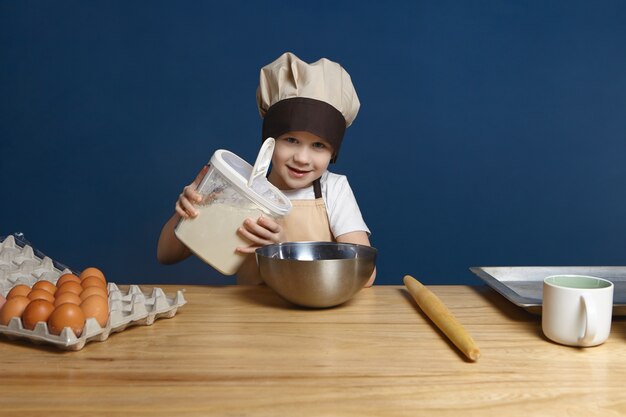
x,y
96,307
20,289
14,307
91,271
2,300
45,285
70,286
67,297
89,291
41,295
67,315
67,277
36,311
93,281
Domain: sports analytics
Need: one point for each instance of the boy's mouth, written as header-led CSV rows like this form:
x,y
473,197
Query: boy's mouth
x,y
297,173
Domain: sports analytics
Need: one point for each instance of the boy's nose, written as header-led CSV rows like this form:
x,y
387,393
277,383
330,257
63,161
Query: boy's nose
x,y
301,156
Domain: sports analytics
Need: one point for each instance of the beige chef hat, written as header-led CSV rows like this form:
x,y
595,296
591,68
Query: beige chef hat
x,y
318,98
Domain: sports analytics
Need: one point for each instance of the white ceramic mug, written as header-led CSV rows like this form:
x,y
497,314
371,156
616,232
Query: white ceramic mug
x,y
577,309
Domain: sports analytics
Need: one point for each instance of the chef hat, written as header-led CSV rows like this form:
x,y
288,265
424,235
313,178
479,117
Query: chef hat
x,y
318,98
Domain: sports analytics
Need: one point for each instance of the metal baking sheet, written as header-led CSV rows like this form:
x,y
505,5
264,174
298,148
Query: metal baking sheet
x,y
523,285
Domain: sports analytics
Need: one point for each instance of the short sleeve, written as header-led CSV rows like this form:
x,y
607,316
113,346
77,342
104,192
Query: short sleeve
x,y
343,210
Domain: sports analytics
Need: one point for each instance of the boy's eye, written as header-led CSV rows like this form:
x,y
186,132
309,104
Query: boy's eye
x,y
291,140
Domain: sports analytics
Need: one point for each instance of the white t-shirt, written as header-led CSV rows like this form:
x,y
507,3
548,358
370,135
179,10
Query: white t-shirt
x,y
343,211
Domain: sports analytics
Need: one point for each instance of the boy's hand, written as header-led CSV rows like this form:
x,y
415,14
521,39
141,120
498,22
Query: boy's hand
x,y
264,231
185,203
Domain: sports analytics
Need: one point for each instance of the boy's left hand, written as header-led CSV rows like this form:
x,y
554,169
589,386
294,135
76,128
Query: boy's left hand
x,y
264,231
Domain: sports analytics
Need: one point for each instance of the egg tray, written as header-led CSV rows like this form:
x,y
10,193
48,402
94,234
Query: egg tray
x,y
129,308
20,263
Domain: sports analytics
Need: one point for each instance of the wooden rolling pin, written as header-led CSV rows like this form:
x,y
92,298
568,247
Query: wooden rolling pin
x,y
436,310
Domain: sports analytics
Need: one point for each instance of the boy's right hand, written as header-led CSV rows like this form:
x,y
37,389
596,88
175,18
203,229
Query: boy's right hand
x,y
185,203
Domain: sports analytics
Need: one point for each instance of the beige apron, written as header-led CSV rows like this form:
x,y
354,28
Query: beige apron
x,y
307,221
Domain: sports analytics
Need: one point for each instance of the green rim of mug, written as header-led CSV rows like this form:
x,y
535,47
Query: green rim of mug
x,y
578,282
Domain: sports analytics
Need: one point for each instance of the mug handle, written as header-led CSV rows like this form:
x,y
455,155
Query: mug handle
x,y
591,322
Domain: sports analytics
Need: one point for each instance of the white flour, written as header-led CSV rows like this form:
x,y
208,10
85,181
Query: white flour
x,y
212,235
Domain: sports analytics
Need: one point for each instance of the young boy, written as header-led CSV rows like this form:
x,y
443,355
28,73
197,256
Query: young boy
x,y
306,108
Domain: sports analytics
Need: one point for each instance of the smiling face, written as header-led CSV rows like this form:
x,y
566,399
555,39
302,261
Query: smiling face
x,y
299,159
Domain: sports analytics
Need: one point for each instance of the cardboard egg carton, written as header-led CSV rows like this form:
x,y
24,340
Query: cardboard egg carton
x,y
126,308
21,264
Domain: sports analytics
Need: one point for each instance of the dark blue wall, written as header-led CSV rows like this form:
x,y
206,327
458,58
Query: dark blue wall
x,y
490,133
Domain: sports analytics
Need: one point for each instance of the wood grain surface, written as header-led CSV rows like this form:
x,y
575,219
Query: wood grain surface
x,y
243,351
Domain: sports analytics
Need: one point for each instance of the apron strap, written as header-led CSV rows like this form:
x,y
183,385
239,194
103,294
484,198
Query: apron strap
x,y
317,188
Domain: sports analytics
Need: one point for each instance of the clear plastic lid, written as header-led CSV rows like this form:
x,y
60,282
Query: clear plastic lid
x,y
262,192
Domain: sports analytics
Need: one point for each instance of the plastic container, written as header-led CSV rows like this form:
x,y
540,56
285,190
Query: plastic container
x,y
227,201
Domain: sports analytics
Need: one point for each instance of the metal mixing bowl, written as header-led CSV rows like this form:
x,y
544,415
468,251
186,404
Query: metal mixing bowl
x,y
316,274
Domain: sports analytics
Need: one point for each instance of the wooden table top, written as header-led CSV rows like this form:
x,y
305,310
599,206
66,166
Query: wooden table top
x,y
239,351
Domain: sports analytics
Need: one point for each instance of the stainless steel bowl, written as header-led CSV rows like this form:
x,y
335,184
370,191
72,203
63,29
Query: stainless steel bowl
x,y
316,274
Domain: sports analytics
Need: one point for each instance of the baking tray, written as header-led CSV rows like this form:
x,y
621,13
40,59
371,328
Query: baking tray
x,y
523,285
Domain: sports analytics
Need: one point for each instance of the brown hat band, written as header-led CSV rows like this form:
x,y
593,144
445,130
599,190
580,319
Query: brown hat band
x,y
305,114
